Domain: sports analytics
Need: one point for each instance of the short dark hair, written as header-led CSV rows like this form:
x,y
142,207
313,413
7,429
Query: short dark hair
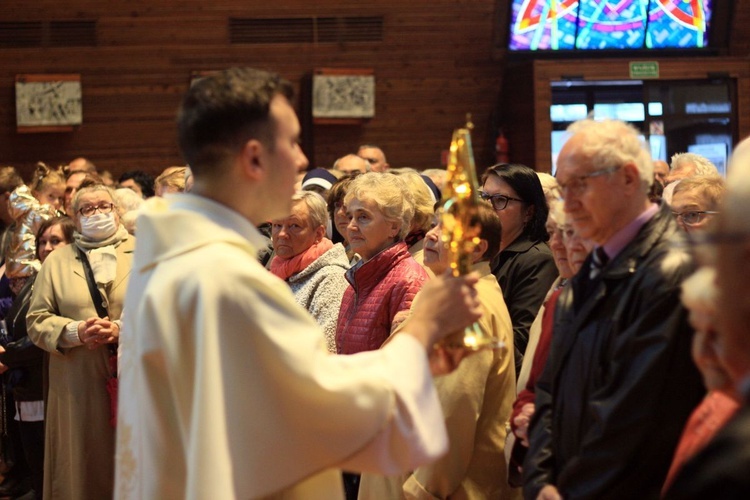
x,y
222,111
66,224
143,179
526,184
336,195
491,230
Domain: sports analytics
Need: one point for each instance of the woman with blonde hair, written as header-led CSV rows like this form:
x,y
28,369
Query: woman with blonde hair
x,y
171,180
384,282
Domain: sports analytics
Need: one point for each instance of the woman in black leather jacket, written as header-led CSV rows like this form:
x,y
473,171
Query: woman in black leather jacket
x,y
524,268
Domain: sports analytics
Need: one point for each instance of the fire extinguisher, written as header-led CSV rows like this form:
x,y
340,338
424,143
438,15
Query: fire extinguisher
x,y
501,148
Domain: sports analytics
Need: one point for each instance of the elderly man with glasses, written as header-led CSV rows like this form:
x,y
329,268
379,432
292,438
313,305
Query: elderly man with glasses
x,y
619,382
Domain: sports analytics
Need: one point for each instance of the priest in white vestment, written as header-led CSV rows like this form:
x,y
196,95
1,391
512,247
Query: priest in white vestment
x,y
226,387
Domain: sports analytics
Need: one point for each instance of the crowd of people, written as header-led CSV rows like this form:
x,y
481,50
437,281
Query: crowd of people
x,y
61,322
287,332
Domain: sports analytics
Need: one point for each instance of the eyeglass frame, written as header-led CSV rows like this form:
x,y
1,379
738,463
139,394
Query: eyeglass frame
x,y
97,208
492,197
681,215
580,180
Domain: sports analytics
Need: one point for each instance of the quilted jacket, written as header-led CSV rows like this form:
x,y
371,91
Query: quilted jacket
x,y
379,289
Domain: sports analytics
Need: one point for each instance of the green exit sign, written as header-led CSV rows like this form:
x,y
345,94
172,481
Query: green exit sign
x,y
644,69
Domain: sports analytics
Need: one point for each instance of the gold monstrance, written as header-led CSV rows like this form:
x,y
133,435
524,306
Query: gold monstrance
x,y
460,226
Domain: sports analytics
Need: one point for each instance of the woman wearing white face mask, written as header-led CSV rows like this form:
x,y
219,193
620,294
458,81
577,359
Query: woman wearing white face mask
x,y
81,337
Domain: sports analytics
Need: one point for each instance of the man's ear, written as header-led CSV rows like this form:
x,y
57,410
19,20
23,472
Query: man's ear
x,y
252,159
632,176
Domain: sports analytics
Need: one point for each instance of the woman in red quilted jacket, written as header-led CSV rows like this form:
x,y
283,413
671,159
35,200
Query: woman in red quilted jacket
x,y
384,282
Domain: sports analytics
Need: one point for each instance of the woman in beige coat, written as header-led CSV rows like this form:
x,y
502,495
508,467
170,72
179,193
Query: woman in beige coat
x,y
62,319
476,398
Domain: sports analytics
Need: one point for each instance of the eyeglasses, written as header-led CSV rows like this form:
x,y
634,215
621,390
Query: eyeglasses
x,y
89,210
577,185
693,217
498,201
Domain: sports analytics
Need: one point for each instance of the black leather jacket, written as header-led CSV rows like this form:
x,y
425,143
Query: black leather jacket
x,y
619,384
525,271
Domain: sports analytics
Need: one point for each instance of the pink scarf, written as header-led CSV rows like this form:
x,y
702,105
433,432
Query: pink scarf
x,y
284,268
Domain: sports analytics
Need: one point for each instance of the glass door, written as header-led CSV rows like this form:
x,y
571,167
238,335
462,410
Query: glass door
x,y
673,116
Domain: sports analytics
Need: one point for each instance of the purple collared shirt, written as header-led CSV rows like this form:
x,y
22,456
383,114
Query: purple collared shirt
x,y
621,238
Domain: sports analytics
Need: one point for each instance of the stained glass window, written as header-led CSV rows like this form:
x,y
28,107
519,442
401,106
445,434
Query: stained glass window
x,y
609,24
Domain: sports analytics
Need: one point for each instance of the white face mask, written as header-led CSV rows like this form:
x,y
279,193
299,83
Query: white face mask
x,y
99,226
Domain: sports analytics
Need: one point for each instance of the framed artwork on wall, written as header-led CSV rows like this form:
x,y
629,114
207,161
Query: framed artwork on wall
x,y
48,103
341,96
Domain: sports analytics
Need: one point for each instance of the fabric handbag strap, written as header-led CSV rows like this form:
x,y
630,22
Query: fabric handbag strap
x,y
96,296
101,310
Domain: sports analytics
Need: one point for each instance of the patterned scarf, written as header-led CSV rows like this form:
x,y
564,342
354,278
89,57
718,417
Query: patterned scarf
x,y
284,268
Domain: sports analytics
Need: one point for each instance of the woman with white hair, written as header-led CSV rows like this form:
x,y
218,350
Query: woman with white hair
x,y
387,278
129,204
74,315
384,282
424,212
309,262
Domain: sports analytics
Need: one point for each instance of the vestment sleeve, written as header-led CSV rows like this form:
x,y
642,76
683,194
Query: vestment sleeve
x,y
414,432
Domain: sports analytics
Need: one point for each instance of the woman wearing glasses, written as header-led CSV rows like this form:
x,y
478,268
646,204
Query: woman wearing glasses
x,y
81,337
524,268
696,200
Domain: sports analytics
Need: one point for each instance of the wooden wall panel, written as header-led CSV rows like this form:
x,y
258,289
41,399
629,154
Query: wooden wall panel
x,y
433,65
